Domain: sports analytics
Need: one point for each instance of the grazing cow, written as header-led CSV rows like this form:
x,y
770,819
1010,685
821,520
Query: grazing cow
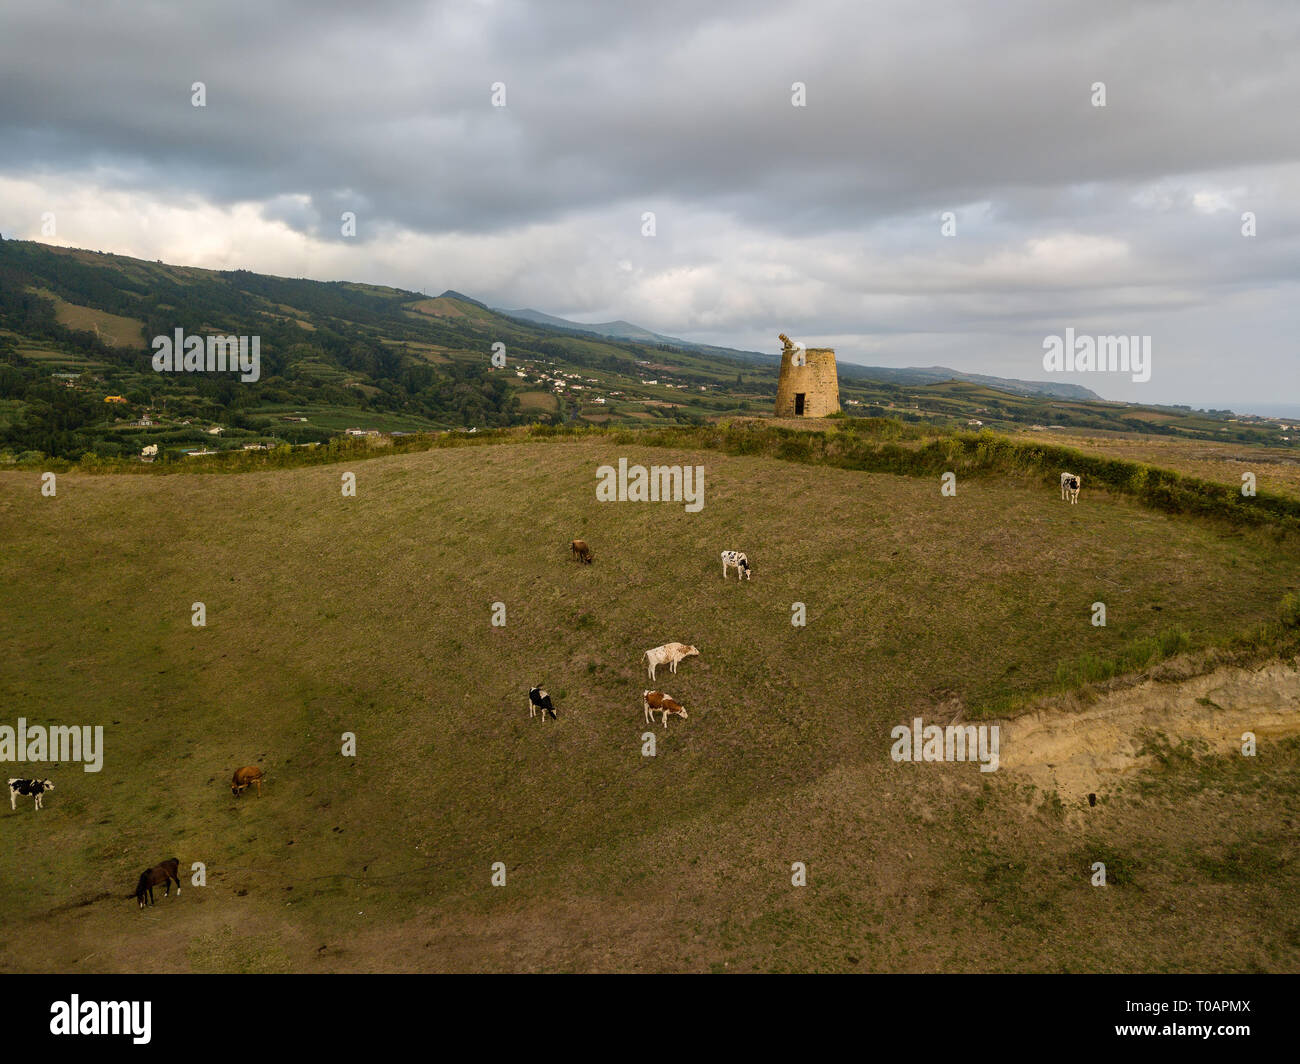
x,y
734,557
36,788
160,873
1070,487
250,774
668,654
661,701
581,551
539,699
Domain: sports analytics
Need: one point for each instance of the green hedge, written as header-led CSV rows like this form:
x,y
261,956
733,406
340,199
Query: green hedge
x,y
876,445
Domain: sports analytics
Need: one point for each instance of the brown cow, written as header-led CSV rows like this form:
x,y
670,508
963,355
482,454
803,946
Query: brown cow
x,y
159,874
664,702
581,551
244,776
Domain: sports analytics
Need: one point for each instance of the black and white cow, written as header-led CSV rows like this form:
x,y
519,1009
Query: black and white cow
x,y
1070,487
734,557
36,788
539,699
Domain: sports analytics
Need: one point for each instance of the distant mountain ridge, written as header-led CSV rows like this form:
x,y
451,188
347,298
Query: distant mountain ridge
x,y
625,330
617,330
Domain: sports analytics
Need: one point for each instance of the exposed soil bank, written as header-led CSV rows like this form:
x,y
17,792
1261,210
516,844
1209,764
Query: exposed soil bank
x,y
1075,751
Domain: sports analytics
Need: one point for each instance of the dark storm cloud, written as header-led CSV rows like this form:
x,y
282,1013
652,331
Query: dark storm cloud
x,y
909,105
825,217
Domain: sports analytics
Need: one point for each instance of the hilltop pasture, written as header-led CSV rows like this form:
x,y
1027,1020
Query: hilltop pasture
x,y
371,615
1276,469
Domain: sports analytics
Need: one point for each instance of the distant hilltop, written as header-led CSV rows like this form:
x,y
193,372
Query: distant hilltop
x,y
451,293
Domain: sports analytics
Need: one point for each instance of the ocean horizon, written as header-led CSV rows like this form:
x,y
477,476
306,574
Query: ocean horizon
x,y
1271,410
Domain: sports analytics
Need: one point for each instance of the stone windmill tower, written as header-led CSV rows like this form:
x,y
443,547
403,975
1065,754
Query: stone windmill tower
x,y
809,385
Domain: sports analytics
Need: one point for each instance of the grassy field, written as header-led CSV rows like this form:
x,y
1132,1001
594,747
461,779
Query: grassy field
x,y
322,415
372,615
543,401
1276,469
115,330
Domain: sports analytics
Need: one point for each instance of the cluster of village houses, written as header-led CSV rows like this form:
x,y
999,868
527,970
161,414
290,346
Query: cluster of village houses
x,y
560,382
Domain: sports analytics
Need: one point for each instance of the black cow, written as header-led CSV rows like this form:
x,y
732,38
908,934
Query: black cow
x,y
539,699
36,788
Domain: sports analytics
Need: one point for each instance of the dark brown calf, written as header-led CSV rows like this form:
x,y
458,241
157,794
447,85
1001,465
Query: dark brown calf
x,y
163,873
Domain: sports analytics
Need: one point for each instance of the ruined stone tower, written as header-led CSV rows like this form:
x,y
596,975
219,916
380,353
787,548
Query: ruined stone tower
x,y
809,385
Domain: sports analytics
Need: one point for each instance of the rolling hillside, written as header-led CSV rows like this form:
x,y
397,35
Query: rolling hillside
x,y
371,615
76,376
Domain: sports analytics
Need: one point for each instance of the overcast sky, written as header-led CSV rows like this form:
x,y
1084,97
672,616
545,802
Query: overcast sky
x,y
822,221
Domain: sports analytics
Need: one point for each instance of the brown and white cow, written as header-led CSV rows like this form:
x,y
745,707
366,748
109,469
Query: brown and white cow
x,y
669,654
246,776
581,551
661,701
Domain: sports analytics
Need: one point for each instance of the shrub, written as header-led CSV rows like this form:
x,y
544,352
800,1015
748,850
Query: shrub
x,y
1140,654
1290,610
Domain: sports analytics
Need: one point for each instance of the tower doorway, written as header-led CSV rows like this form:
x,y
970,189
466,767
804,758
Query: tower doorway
x,y
798,404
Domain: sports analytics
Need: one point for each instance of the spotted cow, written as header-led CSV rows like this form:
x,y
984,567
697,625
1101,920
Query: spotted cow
x,y
1070,487
540,700
35,788
736,558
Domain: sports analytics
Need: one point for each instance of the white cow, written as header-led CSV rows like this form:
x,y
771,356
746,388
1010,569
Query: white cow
x,y
1070,487
668,654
